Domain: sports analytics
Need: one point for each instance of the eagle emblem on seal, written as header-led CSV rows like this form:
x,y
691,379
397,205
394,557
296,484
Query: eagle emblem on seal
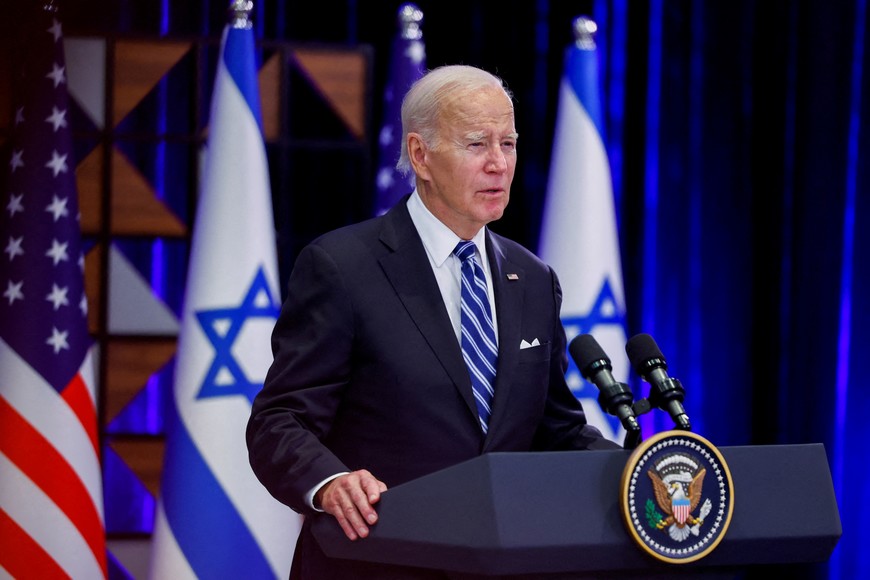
x,y
677,482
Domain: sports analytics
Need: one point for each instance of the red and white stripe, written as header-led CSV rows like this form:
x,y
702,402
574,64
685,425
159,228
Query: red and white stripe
x,y
51,509
681,512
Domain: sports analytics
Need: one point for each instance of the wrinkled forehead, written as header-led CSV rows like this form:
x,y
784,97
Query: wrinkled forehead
x,y
489,106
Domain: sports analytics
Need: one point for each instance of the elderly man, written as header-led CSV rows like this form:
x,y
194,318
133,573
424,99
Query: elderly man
x,y
416,340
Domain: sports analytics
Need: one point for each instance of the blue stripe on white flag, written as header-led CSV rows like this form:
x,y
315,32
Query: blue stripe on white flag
x,y
196,506
240,61
581,70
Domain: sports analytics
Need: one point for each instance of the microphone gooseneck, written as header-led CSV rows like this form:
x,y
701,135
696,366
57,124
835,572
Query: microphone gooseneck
x,y
666,393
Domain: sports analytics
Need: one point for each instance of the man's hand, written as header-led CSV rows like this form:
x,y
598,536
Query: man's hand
x,y
349,498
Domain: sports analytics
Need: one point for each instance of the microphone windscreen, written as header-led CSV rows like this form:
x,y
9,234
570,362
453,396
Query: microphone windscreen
x,y
585,350
641,348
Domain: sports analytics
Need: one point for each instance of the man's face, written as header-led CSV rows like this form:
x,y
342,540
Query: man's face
x,y
466,176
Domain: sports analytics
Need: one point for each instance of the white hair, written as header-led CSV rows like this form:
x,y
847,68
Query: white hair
x,y
426,99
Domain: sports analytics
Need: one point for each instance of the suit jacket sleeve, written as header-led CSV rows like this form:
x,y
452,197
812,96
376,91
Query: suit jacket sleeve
x,y
311,343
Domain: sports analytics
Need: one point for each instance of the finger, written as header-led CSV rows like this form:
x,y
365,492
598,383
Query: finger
x,y
344,499
372,487
363,494
346,527
334,506
353,521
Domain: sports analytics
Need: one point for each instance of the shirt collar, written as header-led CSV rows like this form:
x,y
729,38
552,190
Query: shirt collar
x,y
438,239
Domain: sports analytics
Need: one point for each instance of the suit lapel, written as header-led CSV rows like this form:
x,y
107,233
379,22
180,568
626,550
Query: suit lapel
x,y
508,281
408,270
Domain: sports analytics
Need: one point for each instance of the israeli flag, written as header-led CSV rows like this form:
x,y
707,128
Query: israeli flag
x,y
579,234
214,518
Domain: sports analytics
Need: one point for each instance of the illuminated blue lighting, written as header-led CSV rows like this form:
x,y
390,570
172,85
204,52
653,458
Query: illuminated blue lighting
x,y
651,183
696,193
846,276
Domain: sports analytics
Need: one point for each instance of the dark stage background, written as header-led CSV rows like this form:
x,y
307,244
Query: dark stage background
x,y
739,146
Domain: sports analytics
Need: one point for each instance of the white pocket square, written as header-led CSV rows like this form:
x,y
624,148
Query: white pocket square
x,y
524,344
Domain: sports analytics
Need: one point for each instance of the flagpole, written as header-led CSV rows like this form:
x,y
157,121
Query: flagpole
x,y
407,64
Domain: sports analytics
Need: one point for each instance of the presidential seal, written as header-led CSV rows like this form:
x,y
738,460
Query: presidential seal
x,y
677,496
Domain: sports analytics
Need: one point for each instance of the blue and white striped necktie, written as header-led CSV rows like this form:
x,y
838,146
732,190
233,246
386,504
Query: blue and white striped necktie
x,y
479,347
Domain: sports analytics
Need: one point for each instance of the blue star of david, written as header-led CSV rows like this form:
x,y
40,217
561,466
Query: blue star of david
x,y
257,303
605,311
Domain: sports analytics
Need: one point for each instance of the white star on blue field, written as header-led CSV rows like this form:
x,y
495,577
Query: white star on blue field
x,y
222,326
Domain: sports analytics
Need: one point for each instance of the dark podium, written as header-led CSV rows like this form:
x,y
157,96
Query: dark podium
x,y
557,515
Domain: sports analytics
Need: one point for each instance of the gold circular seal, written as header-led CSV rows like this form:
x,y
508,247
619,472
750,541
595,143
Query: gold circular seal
x,y
676,496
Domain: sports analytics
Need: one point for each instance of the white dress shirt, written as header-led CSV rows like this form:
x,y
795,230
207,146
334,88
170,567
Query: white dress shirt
x,y
440,241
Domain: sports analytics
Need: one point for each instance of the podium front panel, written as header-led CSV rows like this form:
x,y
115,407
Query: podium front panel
x,y
558,512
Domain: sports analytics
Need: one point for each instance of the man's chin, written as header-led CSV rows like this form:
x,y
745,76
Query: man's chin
x,y
495,209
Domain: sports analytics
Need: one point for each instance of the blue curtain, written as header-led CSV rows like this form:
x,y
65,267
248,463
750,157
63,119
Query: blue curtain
x,y
747,238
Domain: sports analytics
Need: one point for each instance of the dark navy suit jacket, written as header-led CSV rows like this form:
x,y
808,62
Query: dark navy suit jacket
x,y
368,372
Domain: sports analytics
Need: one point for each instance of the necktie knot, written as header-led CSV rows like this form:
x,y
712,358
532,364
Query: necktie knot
x,y
464,250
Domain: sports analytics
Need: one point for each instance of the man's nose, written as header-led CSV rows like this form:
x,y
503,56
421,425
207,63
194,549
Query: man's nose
x,y
496,161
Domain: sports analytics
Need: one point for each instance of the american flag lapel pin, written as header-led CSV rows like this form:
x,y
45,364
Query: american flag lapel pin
x,y
513,277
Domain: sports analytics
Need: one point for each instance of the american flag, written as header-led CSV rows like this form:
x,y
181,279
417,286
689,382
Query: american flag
x,y
407,64
51,512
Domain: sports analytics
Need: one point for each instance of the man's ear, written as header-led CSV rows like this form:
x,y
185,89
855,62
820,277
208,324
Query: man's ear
x,y
417,155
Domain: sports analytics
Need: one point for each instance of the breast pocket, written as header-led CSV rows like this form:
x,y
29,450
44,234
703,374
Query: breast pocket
x,y
534,354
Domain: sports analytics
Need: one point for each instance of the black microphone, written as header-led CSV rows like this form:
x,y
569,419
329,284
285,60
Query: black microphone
x,y
614,397
666,393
